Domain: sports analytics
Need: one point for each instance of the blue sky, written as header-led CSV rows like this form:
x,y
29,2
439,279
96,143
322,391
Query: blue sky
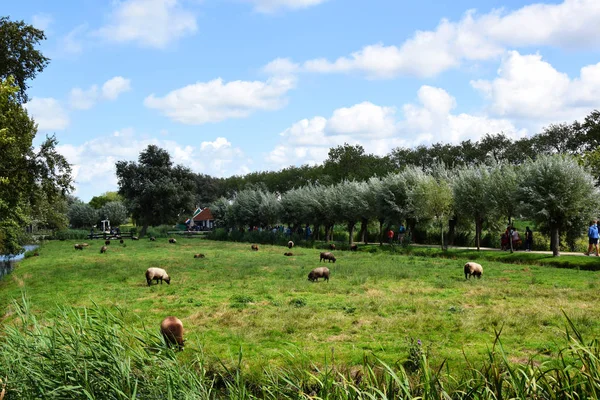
x,y
233,86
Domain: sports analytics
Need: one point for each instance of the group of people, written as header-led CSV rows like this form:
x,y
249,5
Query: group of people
x,y
511,234
401,233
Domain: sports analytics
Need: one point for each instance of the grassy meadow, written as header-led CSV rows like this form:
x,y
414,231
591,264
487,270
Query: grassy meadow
x,y
262,303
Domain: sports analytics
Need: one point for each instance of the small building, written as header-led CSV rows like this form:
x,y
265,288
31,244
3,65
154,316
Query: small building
x,y
203,219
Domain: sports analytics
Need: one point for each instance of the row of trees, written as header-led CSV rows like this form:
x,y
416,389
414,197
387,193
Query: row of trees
x,y
554,191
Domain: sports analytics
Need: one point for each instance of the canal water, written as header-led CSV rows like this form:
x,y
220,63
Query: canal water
x,y
7,262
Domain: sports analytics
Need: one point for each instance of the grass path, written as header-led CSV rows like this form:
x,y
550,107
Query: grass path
x,y
262,303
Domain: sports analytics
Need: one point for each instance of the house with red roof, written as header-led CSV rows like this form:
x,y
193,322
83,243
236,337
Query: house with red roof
x,y
202,218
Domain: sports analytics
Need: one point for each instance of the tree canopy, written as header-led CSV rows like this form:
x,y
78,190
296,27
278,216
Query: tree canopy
x,y
155,191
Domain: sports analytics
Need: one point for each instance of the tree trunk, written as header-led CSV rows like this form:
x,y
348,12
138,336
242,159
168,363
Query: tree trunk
x,y
351,226
363,230
143,231
327,233
442,230
381,232
478,233
411,227
556,241
316,235
451,230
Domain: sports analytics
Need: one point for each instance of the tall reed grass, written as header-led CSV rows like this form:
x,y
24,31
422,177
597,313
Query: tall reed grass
x,y
92,354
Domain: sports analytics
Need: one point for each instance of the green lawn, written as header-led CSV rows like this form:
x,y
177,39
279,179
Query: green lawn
x,y
261,302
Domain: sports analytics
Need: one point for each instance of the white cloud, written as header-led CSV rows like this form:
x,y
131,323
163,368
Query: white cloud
x,y
269,6
379,130
72,42
570,24
48,113
215,100
529,88
94,161
80,99
42,21
152,23
111,89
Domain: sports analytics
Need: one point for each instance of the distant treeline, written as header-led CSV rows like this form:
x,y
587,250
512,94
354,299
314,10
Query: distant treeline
x,y
347,162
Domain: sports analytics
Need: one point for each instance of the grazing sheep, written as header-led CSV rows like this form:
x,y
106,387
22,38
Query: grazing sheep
x,y
354,247
84,244
103,249
157,274
331,246
78,247
152,238
172,330
288,254
121,241
473,269
199,255
254,247
290,244
36,254
327,256
321,272
171,240
135,238
107,242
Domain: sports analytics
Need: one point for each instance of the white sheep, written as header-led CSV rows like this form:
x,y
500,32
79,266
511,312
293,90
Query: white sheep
x,y
157,274
473,269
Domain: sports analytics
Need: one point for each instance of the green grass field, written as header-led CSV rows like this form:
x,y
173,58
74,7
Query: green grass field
x,y
262,303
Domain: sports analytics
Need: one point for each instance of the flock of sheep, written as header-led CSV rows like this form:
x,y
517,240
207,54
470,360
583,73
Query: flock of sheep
x,y
171,327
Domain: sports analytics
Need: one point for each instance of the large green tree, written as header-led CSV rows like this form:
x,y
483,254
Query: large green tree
x,y
155,191
31,179
18,56
556,192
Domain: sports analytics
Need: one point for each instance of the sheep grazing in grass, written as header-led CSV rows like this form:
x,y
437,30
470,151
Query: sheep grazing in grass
x,y
327,256
107,242
331,246
354,247
103,249
36,254
321,272
254,247
290,244
157,274
152,238
173,241
135,238
121,241
288,254
473,269
171,329
84,244
78,247
199,255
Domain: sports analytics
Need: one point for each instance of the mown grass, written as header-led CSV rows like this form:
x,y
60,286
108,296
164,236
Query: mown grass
x,y
261,303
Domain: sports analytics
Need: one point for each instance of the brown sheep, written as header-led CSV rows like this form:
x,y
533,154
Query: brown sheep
x,y
290,244
36,254
171,329
288,254
84,244
78,247
171,240
354,247
103,249
157,274
254,247
199,255
327,256
331,246
473,269
321,272
152,238
107,242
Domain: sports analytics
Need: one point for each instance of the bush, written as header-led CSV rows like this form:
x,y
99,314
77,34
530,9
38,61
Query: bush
x,y
70,234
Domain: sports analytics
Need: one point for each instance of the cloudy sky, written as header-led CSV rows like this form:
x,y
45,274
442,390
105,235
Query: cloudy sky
x,y
232,86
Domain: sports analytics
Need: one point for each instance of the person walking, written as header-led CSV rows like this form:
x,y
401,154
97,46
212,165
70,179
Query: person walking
x,y
401,233
528,239
593,238
390,235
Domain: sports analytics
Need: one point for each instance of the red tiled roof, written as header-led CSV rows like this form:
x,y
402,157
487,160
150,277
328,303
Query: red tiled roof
x,y
205,215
